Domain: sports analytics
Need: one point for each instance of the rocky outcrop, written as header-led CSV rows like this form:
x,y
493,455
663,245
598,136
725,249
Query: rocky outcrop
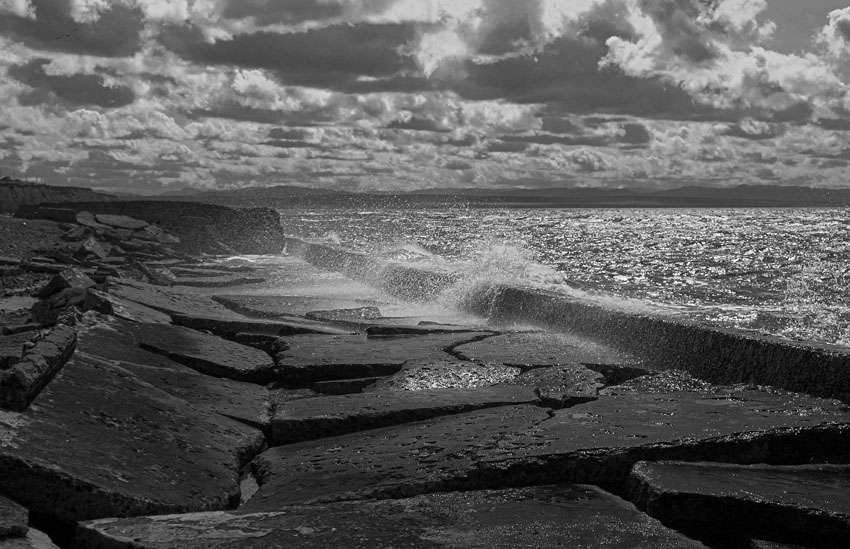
x,y
309,358
313,418
544,516
205,353
14,194
104,441
716,355
200,227
726,504
21,383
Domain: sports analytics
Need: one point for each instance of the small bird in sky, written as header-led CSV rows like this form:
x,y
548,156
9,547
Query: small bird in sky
x,y
67,34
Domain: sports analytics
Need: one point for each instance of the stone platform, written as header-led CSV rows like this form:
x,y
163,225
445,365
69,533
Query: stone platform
x,y
178,415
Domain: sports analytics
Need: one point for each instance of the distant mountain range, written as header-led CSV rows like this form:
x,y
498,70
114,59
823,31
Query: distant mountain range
x,y
14,193
288,196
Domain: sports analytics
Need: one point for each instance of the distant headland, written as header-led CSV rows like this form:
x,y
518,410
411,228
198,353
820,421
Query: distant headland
x,y
14,193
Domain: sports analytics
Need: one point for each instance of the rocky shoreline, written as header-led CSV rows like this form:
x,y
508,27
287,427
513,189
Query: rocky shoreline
x,y
149,398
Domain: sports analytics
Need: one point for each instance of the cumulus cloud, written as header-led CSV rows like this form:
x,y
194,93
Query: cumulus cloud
x,y
105,29
394,93
20,8
712,50
835,36
80,89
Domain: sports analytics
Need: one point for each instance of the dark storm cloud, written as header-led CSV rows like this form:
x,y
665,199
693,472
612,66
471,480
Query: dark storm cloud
x,y
757,133
116,33
635,134
508,146
843,27
331,57
417,124
570,141
235,111
292,12
10,144
81,89
459,165
677,24
290,134
834,124
835,163
290,144
560,125
567,76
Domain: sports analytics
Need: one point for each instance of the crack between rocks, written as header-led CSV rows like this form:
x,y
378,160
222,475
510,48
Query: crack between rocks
x,y
451,349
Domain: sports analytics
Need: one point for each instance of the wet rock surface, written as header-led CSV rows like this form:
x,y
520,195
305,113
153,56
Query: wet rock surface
x,y
286,306
595,442
205,353
34,539
99,442
537,349
165,300
320,358
546,516
229,326
113,341
14,519
108,304
716,502
315,418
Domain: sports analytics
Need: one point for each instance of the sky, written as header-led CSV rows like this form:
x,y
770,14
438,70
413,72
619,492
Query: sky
x,y
148,96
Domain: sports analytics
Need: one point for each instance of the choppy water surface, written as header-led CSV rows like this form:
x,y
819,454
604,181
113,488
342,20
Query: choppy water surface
x,y
780,271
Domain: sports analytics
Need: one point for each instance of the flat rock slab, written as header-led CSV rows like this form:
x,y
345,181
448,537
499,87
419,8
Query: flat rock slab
x,y
804,504
34,539
100,442
273,306
321,358
14,519
544,516
597,442
227,326
320,417
217,281
109,304
535,349
448,373
414,326
121,222
166,300
345,386
205,353
16,329
111,341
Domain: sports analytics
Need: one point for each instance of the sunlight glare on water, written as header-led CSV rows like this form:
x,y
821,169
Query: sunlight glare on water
x,y
780,271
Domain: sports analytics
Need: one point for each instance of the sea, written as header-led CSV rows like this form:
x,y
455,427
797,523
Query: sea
x,y
783,272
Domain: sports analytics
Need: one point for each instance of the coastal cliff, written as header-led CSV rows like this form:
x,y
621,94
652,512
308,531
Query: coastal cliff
x,y
203,228
15,193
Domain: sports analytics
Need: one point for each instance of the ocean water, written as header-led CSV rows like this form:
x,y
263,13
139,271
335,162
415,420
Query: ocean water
x,y
784,272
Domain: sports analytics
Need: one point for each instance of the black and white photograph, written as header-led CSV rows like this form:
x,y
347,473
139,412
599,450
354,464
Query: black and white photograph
x,y
385,274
